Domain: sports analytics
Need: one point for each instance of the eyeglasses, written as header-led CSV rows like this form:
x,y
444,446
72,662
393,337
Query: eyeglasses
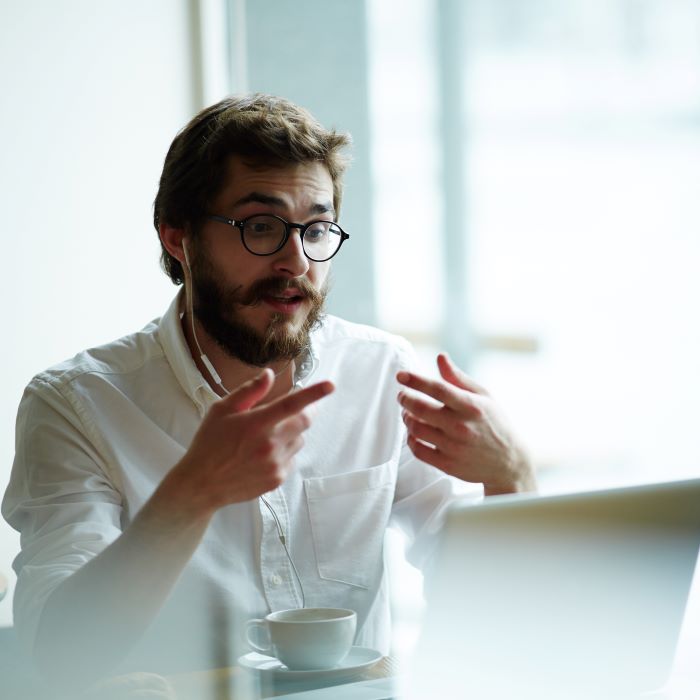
x,y
265,234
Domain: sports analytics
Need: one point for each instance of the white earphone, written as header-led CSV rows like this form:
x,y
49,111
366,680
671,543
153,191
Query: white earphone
x,y
205,360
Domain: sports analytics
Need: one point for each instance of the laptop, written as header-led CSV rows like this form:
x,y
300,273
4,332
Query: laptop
x,y
569,596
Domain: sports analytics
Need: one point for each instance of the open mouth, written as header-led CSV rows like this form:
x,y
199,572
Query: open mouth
x,y
286,302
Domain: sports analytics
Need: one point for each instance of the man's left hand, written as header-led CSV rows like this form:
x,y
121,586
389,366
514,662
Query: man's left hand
x,y
458,428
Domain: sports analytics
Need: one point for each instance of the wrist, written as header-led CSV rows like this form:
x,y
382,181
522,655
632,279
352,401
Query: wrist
x,y
180,497
518,478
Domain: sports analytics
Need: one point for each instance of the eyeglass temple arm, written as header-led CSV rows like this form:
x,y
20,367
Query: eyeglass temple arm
x,y
223,220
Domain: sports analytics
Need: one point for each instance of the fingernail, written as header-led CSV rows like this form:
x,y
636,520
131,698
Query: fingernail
x,y
402,376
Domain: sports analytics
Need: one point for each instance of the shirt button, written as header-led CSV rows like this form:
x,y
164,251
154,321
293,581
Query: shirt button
x,y
275,580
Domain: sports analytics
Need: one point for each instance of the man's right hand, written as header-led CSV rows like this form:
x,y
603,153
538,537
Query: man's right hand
x,y
242,449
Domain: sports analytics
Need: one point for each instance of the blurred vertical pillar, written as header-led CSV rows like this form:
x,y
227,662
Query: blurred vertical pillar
x,y
210,60
457,335
314,52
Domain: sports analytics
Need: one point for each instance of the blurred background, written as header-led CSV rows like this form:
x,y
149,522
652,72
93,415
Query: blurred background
x,y
524,194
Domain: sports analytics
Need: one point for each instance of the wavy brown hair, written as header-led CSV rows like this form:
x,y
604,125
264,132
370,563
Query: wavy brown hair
x,y
265,129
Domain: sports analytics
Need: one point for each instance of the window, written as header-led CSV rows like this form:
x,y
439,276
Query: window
x,y
581,147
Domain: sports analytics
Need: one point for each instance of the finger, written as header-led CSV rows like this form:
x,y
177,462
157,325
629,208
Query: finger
x,y
441,427
292,448
426,411
429,455
249,394
431,435
456,423
272,463
435,388
281,466
294,403
291,427
285,456
454,375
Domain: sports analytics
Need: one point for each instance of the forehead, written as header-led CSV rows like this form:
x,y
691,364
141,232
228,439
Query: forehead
x,y
297,186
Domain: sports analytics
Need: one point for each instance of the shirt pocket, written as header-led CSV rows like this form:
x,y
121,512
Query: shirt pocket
x,y
349,513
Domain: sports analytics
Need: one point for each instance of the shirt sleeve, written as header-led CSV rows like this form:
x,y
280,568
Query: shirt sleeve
x,y
59,498
424,493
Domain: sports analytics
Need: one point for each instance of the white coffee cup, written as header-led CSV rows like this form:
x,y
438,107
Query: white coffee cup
x,y
305,638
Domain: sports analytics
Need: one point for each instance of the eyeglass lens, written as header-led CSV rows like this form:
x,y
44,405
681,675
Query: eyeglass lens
x,y
264,235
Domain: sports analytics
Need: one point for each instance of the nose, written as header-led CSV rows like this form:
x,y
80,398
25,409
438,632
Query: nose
x,y
291,260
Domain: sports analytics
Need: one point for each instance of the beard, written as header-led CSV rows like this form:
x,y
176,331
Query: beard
x,y
217,308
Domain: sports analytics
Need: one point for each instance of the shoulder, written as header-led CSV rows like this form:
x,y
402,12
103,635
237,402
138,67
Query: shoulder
x,y
119,357
338,335
334,329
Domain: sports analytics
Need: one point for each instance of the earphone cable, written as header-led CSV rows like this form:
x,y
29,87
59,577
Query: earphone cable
x,y
217,379
283,540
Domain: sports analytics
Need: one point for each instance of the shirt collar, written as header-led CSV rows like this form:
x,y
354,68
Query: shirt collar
x,y
306,363
178,354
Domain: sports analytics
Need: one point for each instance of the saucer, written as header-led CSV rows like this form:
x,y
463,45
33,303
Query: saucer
x,y
357,660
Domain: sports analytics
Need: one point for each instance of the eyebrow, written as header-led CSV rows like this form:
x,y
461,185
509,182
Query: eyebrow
x,y
271,200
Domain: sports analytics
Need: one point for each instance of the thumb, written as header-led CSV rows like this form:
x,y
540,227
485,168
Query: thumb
x,y
454,375
250,393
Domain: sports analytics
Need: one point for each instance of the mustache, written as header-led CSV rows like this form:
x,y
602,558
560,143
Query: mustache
x,y
274,286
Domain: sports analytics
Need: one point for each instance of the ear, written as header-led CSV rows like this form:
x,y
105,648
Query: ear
x,y
173,241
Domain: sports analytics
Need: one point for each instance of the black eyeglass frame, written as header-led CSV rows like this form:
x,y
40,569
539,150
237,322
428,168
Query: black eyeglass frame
x,y
288,226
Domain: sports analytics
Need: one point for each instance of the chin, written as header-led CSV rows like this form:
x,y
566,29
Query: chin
x,y
284,326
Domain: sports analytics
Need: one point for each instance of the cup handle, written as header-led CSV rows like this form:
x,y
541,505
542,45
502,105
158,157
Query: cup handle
x,y
258,624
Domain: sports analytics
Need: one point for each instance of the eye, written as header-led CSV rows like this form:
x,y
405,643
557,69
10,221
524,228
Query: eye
x,y
263,227
317,232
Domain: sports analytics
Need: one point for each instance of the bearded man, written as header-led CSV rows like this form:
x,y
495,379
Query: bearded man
x,y
244,453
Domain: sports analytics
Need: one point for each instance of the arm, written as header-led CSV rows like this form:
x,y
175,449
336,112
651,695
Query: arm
x,y
240,451
464,434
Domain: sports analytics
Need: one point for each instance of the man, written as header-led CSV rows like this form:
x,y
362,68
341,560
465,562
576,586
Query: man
x,y
244,453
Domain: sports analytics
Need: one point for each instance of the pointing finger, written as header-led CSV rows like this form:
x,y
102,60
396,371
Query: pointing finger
x,y
297,401
249,394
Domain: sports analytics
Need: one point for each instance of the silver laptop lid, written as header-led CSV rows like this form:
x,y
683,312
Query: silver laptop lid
x,y
559,596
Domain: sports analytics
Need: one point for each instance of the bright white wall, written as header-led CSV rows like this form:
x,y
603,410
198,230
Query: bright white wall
x,y
92,94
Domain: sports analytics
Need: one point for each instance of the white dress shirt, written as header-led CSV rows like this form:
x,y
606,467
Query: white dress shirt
x,y
97,434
